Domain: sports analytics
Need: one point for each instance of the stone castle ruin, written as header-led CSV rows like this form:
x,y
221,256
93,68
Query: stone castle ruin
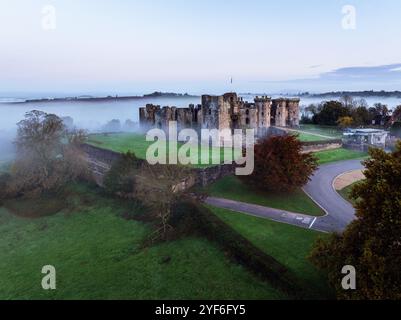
x,y
225,112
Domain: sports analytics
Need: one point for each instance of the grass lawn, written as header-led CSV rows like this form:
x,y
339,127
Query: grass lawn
x,y
345,193
233,188
339,155
97,255
287,244
329,131
124,142
308,137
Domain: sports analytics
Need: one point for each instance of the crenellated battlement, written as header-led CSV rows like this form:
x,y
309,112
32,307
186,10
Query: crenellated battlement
x,y
228,111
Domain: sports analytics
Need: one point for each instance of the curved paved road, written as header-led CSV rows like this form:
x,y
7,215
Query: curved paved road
x,y
339,211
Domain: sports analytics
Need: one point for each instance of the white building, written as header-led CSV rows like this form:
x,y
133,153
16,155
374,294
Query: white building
x,y
362,139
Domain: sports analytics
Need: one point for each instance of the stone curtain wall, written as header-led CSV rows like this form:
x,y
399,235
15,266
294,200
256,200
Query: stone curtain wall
x,y
207,176
100,162
317,146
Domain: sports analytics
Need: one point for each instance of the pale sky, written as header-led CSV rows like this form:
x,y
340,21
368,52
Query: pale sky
x,y
137,46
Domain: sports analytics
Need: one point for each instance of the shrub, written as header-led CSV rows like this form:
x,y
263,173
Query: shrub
x,y
120,180
396,129
4,180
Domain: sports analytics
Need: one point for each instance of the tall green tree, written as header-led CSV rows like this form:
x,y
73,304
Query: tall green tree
x,y
372,243
330,112
397,114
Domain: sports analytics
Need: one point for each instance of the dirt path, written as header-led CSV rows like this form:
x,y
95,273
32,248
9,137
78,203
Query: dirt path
x,y
347,179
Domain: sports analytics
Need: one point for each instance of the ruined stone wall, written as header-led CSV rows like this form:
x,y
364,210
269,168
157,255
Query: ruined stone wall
x,y
286,112
207,176
317,146
226,112
293,112
281,112
264,111
210,106
101,160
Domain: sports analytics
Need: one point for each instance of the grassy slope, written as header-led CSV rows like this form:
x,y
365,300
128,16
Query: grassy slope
x,y
308,137
288,244
97,256
137,143
329,131
233,188
339,155
345,193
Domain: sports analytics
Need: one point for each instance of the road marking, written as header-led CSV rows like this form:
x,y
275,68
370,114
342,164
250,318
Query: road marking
x,y
313,222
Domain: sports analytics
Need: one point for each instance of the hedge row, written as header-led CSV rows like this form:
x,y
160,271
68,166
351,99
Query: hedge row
x,y
190,216
317,143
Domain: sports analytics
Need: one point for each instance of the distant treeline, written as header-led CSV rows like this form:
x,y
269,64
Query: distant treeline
x,y
361,94
155,94
349,112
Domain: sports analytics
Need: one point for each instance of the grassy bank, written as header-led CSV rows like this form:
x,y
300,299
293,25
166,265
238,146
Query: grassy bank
x,y
98,255
233,188
346,192
287,244
329,131
339,155
308,137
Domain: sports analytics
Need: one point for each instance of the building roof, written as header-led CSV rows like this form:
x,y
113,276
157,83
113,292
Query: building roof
x,y
350,132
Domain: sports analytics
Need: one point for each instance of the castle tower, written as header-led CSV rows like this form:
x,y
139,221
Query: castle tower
x,y
263,105
293,112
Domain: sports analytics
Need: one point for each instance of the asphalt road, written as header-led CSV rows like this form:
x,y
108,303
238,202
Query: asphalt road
x,y
339,211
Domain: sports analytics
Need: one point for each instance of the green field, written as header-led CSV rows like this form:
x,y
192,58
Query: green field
x,y
233,188
124,142
98,255
329,131
288,244
339,155
308,137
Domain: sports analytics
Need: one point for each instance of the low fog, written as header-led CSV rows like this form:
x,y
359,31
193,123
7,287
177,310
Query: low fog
x,y
108,116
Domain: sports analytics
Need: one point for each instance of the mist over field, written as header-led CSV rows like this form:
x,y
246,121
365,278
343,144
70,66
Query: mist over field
x,y
94,115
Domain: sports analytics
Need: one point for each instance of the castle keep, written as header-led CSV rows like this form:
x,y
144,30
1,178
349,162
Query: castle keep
x,y
226,112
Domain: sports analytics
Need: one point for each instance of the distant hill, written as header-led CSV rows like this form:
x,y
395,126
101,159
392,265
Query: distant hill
x,y
167,94
361,94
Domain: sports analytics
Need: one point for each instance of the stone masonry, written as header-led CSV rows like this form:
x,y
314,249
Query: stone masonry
x,y
225,112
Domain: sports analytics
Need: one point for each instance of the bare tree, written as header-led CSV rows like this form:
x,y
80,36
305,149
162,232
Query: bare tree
x,y
159,187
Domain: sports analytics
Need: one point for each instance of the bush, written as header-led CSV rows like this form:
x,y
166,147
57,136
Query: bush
x,y
396,129
43,206
4,179
120,180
